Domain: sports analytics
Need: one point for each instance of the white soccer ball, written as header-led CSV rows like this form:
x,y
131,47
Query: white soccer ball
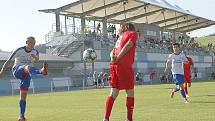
x,y
89,55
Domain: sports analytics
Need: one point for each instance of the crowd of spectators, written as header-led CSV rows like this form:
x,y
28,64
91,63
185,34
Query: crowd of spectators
x,y
189,44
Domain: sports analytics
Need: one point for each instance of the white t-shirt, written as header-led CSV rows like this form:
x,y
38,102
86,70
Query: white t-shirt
x,y
23,57
177,63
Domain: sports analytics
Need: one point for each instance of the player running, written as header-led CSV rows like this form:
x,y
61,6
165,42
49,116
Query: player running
x,y
187,73
176,61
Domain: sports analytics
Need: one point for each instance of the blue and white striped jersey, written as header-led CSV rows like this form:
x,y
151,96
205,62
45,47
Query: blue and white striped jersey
x,y
23,57
177,63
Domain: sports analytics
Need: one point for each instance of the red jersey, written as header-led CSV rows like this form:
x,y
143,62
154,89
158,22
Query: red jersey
x,y
122,75
128,58
187,71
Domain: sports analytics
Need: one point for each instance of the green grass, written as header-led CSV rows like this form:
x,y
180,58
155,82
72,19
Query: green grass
x,y
203,41
152,103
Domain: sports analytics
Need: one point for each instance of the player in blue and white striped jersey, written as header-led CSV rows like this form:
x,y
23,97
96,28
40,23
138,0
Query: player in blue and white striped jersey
x,y
176,61
23,59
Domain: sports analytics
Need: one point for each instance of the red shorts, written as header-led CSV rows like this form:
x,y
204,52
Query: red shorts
x,y
187,79
121,77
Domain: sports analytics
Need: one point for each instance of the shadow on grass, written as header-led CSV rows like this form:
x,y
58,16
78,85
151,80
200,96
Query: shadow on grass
x,y
210,95
202,102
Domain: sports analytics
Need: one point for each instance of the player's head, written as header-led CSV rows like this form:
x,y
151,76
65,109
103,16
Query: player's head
x,y
126,26
175,47
30,42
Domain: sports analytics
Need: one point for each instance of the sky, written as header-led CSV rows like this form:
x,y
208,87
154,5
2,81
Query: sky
x,y
21,18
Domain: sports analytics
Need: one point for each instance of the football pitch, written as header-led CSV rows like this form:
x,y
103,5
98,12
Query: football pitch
x,y
152,103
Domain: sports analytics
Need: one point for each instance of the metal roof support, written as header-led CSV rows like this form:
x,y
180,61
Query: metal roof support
x,y
199,27
63,8
48,10
124,11
176,20
73,21
104,22
141,15
170,25
146,16
190,25
164,18
65,22
124,3
169,19
57,18
102,7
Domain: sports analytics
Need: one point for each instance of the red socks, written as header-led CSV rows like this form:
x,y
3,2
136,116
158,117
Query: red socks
x,y
185,88
129,104
109,105
130,107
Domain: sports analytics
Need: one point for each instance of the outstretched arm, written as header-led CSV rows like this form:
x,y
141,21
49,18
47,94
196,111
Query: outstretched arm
x,y
4,67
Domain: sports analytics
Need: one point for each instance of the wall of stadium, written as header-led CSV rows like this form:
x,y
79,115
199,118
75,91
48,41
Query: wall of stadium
x,y
147,61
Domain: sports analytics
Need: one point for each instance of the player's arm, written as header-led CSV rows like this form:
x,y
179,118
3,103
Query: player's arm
x,y
5,66
191,70
167,66
124,50
112,54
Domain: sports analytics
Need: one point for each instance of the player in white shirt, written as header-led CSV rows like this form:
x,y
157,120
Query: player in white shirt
x,y
23,59
176,61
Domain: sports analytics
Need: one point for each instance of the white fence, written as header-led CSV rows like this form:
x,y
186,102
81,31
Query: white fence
x,y
55,83
15,85
61,82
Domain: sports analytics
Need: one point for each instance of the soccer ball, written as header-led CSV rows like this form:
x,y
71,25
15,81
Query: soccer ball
x,y
89,55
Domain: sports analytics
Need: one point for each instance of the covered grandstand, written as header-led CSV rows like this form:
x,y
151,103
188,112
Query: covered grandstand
x,y
158,23
168,17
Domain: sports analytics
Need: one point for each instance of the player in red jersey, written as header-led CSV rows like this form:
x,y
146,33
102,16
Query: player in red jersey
x,y
187,73
122,75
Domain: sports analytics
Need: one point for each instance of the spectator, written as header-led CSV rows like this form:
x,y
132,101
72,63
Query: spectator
x,y
95,79
98,28
100,80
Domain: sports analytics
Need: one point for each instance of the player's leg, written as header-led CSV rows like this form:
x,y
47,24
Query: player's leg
x,y
130,104
22,102
172,91
176,89
183,94
109,102
185,88
20,72
44,70
187,79
24,84
180,80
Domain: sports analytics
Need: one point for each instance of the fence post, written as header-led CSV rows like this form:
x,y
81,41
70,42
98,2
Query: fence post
x,y
12,87
32,82
51,85
68,84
